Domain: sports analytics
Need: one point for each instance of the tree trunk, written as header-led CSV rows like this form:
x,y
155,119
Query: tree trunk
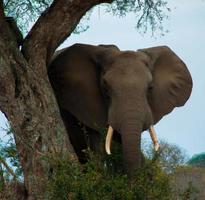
x,y
26,97
30,106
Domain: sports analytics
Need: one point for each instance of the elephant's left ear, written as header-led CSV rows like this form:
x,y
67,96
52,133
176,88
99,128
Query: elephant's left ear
x,y
172,82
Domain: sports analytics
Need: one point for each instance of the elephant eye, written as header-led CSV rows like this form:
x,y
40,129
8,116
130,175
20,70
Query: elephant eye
x,y
104,84
146,64
150,87
105,93
150,91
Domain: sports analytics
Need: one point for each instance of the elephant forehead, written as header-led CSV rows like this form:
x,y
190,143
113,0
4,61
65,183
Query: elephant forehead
x,y
132,61
128,68
127,79
134,55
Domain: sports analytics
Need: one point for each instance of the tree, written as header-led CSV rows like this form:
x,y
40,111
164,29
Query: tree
x,y
170,156
26,97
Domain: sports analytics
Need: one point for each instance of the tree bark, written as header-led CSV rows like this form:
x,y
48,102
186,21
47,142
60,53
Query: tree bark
x,y
26,97
29,104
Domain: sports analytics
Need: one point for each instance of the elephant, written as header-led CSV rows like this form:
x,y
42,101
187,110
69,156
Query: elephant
x,y
126,91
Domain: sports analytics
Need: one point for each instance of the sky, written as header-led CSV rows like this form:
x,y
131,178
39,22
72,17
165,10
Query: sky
x,y
186,37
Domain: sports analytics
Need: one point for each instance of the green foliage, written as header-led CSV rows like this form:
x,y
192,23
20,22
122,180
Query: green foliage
x,y
197,160
149,13
152,182
103,178
25,11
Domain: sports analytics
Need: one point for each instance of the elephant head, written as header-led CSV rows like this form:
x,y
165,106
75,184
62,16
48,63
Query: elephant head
x,y
126,90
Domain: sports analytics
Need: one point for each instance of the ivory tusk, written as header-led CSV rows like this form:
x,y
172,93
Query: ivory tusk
x,y
108,140
154,138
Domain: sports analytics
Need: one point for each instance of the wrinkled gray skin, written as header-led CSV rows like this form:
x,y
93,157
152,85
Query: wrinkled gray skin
x,y
129,90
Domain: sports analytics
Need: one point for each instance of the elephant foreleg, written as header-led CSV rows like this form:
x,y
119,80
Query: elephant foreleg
x,y
94,140
76,135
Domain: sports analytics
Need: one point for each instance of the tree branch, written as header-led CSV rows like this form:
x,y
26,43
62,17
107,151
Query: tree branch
x,y
52,28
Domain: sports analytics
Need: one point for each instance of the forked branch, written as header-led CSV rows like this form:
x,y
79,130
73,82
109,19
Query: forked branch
x,y
52,28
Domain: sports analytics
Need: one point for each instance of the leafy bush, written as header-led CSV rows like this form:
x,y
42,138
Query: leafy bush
x,y
103,178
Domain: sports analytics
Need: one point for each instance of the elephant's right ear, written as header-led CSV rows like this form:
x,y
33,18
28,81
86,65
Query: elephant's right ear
x,y
172,82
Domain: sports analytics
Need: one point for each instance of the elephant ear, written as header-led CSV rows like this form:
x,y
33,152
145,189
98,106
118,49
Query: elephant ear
x,y
172,82
75,76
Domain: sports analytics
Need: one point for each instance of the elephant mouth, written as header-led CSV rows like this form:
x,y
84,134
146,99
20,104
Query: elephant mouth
x,y
109,136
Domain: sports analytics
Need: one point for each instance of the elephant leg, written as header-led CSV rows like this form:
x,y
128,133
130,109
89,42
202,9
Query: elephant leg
x,y
94,139
76,135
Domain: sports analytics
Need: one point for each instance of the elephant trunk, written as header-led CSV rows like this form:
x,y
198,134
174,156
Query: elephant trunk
x,y
130,121
131,144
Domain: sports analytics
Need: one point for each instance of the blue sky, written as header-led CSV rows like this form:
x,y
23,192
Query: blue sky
x,y
186,36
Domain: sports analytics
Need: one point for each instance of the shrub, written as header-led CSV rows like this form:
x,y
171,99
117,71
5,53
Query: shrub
x,y
103,178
